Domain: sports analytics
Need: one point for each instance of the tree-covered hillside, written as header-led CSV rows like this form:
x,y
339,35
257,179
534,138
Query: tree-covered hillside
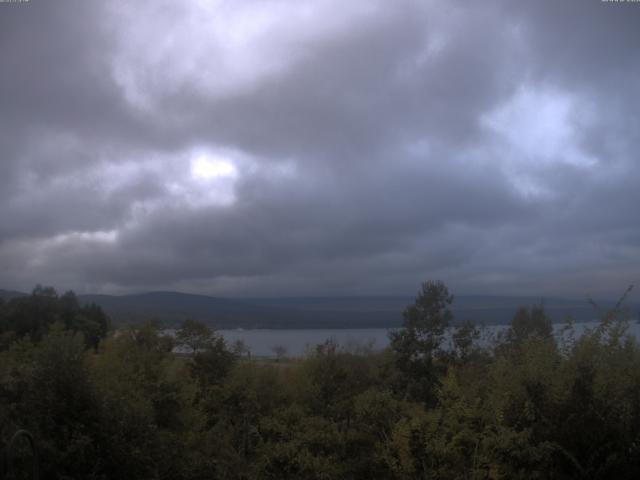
x,y
315,312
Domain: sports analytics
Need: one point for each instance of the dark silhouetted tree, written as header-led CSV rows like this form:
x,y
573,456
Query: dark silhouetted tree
x,y
417,344
194,336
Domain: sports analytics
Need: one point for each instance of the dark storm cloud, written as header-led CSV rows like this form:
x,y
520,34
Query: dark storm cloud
x,y
275,147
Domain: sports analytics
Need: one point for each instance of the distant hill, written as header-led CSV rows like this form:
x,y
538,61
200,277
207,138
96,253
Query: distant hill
x,y
172,307
9,294
319,312
489,310
316,312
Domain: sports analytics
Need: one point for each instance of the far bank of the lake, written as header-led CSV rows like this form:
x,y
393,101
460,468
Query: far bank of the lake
x,y
297,342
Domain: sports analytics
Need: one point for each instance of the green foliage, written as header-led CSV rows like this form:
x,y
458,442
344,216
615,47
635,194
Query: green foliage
x,y
193,335
434,405
528,322
47,389
464,339
417,344
32,316
212,364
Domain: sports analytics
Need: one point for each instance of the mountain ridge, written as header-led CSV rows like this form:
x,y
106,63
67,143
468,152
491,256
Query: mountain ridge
x,y
361,311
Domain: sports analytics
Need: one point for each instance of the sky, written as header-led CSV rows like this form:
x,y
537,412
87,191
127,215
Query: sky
x,y
279,147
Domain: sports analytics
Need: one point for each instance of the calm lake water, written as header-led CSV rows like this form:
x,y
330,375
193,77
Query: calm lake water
x,y
262,342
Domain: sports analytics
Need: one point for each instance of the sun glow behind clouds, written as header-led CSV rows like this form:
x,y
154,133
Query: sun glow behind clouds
x,y
210,179
206,167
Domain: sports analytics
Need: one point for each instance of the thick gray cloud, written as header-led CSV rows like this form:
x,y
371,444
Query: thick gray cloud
x,y
281,147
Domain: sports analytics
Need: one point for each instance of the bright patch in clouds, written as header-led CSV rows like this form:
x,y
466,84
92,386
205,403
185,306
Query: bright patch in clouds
x,y
43,249
216,47
535,132
541,126
208,180
205,167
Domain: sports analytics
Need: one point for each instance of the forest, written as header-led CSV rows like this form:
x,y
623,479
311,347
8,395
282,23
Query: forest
x,y
103,403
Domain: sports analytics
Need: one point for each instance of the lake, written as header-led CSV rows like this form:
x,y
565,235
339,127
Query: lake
x,y
261,342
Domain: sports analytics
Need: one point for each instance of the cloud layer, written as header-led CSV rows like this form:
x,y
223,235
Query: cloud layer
x,y
281,147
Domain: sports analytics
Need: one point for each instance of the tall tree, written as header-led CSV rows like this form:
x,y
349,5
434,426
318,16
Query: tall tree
x,y
194,336
417,343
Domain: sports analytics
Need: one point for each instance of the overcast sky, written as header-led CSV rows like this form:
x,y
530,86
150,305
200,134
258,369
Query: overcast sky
x,y
286,147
